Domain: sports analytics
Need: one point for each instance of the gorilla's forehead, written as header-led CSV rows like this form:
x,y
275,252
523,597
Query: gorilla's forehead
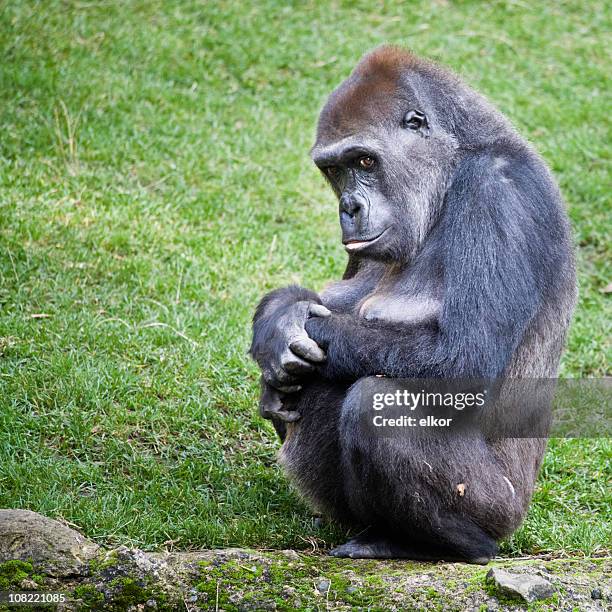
x,y
373,94
327,150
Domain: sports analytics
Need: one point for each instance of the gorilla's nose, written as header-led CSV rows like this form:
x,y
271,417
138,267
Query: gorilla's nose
x,y
349,205
352,216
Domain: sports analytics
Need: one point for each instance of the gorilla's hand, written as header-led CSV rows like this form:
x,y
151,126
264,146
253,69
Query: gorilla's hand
x,y
281,345
290,353
271,405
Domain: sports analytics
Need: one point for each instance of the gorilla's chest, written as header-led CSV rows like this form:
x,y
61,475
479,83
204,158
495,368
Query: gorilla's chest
x,y
398,308
385,296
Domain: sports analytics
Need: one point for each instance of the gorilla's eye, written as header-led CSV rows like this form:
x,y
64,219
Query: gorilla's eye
x,y
367,163
333,172
414,120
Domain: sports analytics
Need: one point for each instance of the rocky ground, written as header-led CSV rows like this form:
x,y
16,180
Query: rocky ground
x,y
38,555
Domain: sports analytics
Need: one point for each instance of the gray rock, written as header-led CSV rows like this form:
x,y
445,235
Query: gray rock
x,y
291,554
28,585
596,594
323,585
523,586
27,535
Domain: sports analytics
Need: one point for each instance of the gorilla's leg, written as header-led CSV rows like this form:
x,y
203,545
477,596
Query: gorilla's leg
x,y
311,453
404,485
373,544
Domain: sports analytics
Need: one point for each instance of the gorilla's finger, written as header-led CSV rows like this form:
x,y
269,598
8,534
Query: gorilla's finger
x,y
279,386
294,364
277,377
318,310
270,402
289,416
308,349
282,375
289,388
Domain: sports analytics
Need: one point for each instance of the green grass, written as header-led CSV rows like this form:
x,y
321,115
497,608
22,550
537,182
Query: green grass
x,y
155,182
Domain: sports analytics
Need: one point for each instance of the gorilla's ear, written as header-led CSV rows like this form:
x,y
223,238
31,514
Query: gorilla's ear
x,y
416,121
493,240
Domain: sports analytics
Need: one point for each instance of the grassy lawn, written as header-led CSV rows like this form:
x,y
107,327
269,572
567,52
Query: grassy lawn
x,y
155,182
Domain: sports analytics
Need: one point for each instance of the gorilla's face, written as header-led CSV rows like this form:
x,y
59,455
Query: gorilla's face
x,y
355,173
388,162
378,180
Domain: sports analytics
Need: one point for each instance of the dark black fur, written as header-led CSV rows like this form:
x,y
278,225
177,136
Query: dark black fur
x,y
472,276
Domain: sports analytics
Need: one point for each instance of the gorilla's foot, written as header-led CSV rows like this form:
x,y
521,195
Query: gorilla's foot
x,y
371,545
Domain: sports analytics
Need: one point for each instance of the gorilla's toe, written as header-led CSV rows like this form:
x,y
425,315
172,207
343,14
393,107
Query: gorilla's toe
x,y
358,549
479,560
350,551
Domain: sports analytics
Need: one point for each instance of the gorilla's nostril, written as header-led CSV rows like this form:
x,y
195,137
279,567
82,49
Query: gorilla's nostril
x,y
349,206
345,204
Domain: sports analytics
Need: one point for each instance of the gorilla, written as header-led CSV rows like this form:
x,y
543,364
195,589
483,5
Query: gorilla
x,y
460,265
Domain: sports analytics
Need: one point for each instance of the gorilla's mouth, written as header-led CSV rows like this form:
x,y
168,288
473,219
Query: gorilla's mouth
x,y
355,245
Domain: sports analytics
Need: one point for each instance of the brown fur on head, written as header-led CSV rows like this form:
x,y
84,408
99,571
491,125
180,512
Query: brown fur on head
x,y
390,79
363,99
385,62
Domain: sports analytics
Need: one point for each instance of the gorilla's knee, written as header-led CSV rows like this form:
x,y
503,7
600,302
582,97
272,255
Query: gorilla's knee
x,y
360,428
357,411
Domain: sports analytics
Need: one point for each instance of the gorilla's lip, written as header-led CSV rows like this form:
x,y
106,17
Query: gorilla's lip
x,y
354,245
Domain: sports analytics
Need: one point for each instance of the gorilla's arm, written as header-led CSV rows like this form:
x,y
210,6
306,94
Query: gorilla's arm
x,y
357,348
494,246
